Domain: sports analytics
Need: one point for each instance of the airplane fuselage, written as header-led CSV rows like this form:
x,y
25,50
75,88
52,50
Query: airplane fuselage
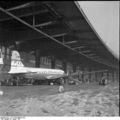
x,y
37,73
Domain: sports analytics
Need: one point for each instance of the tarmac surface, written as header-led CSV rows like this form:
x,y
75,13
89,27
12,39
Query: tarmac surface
x,y
45,100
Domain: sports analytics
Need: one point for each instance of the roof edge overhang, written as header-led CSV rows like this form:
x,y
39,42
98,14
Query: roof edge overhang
x,y
96,33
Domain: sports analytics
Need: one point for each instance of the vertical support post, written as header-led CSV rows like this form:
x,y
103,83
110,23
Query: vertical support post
x,y
95,75
117,75
82,76
107,72
63,40
74,68
33,21
90,74
112,75
52,62
64,66
37,58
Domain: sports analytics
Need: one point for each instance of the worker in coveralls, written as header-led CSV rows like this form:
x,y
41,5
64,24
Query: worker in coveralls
x,y
103,81
61,87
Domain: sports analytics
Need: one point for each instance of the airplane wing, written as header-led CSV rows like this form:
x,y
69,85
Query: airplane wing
x,y
62,76
55,77
49,77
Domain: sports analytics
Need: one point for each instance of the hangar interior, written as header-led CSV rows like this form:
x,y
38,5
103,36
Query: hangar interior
x,y
50,34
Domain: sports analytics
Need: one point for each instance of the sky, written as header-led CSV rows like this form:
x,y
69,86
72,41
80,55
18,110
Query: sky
x,y
104,17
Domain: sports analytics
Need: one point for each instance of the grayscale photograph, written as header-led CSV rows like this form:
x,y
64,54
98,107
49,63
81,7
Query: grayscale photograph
x,y
59,58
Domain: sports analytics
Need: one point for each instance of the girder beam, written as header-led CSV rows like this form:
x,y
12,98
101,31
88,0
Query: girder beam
x,y
48,36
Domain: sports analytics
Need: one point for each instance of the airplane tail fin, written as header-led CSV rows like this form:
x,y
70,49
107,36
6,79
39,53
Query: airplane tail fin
x,y
16,60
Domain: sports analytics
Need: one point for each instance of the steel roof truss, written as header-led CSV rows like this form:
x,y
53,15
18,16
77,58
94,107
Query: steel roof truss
x,y
48,36
20,15
20,6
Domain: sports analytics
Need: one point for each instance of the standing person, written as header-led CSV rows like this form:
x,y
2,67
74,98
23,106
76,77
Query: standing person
x,y
61,87
103,80
1,92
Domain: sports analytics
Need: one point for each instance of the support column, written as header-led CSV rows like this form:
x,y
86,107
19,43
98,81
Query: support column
x,y
52,62
93,76
107,75
112,75
117,75
64,66
82,75
37,58
86,75
74,68
90,75
96,76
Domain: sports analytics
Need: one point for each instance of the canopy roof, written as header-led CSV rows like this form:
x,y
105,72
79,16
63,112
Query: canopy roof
x,y
53,27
